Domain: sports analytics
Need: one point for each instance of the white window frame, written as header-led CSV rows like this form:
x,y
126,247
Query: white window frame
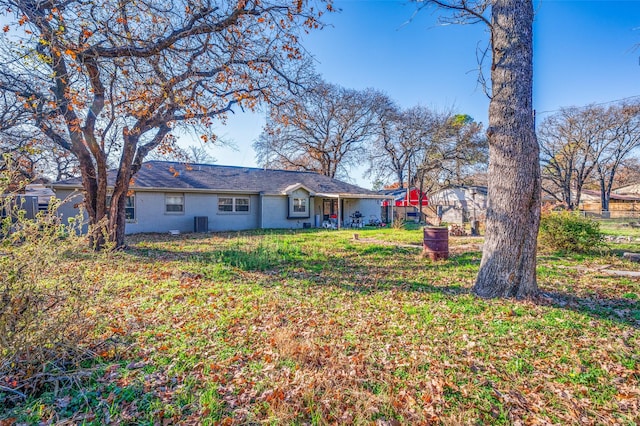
x,y
169,195
246,207
292,214
300,202
133,198
226,205
236,207
133,217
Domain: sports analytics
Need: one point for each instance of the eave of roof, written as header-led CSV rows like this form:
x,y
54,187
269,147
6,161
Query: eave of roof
x,y
161,176
346,195
612,196
229,191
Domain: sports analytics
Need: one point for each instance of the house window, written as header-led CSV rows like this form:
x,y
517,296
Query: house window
x,y
129,207
242,204
174,203
299,205
233,204
225,204
4,207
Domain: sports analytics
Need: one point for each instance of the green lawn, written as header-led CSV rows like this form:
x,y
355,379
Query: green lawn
x,y
314,327
621,227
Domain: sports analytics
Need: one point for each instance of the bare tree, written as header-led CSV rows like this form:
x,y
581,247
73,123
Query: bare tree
x,y
324,130
391,150
586,145
195,154
571,143
628,172
622,138
450,154
469,153
36,159
107,78
508,266
417,139
14,146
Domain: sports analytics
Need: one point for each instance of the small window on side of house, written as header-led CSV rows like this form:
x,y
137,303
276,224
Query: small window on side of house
x,y
130,208
174,203
299,205
225,204
242,205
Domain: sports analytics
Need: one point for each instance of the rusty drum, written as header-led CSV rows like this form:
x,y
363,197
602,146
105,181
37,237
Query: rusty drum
x,y
436,242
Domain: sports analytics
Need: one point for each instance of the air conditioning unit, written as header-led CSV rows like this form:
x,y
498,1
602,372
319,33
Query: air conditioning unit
x,y
201,224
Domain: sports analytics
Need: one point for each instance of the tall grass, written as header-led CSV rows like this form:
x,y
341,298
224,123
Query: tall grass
x,y
259,253
49,302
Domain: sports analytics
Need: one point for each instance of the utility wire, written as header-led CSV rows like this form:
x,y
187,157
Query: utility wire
x,y
598,104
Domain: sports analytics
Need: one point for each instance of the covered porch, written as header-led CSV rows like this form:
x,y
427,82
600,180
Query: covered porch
x,y
338,211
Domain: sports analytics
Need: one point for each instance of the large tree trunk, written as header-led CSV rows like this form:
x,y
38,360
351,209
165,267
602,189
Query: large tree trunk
x,y
117,214
95,192
575,203
508,267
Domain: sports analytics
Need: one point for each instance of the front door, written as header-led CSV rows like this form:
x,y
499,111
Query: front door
x,y
330,209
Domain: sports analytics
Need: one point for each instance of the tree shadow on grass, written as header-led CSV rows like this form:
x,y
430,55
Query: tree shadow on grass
x,y
349,272
620,310
134,239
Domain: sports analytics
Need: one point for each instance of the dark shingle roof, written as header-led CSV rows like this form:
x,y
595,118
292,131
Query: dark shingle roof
x,y
179,176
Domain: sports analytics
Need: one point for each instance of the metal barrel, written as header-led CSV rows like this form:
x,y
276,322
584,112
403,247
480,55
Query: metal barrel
x,y
436,242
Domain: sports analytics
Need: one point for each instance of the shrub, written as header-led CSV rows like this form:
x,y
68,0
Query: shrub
x,y
569,232
398,223
47,302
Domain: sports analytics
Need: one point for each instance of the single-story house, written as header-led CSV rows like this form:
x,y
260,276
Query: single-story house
x,y
42,192
167,196
11,204
459,204
32,199
619,205
403,204
632,189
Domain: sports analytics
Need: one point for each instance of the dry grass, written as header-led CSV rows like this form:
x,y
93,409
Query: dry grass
x,y
315,328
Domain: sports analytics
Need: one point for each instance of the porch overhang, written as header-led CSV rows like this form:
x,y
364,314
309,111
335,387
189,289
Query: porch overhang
x,y
354,196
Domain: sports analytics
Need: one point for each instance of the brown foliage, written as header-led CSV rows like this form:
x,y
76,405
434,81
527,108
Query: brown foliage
x,y
48,304
112,83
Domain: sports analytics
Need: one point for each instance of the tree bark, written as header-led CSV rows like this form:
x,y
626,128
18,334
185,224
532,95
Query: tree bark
x,y
508,266
117,215
605,195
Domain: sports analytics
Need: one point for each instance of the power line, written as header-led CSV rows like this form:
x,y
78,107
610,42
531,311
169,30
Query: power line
x,y
598,104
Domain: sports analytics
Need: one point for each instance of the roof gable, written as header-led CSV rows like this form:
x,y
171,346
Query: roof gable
x,y
295,187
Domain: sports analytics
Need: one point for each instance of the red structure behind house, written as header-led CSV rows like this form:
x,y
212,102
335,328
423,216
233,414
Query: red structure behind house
x,y
400,199
401,207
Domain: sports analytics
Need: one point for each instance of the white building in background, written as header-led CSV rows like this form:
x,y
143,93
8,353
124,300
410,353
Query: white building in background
x,y
459,204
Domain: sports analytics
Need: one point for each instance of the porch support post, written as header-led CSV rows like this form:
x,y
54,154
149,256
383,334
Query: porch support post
x,y
392,204
339,212
261,215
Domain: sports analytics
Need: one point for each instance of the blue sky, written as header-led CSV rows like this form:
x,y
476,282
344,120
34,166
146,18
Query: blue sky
x,y
584,52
